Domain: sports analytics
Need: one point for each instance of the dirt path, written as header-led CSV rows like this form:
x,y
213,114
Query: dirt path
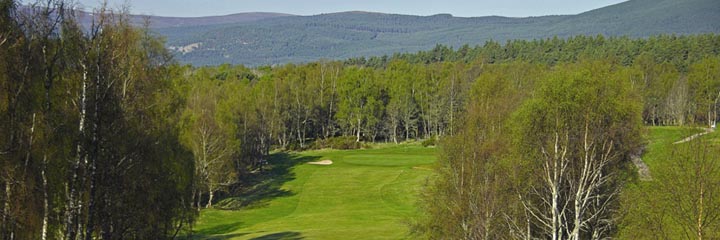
x,y
643,170
694,136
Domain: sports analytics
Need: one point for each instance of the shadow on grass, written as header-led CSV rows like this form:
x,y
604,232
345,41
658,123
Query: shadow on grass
x,y
218,237
281,236
222,228
218,232
258,188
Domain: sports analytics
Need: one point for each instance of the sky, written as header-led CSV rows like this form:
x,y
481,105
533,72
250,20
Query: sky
x,y
461,8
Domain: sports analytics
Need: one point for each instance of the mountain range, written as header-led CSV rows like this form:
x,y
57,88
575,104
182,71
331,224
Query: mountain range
x,y
273,38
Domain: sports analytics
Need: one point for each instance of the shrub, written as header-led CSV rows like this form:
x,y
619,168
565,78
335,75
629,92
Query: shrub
x,y
342,143
432,141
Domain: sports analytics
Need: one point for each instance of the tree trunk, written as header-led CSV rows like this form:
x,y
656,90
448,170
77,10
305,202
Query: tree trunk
x,y
701,210
70,208
709,119
407,131
45,199
93,157
427,128
90,225
358,130
332,101
199,198
555,215
192,197
395,133
452,104
6,208
210,198
528,231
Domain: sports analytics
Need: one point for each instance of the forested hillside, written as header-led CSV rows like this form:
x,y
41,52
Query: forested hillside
x,y
166,22
354,34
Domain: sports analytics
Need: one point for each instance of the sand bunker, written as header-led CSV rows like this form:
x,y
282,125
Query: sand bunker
x,y
323,162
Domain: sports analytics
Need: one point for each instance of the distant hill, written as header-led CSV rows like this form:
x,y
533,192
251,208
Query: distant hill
x,y
275,38
164,22
168,22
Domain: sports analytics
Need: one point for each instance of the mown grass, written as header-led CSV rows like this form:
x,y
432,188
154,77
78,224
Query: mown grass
x,y
364,194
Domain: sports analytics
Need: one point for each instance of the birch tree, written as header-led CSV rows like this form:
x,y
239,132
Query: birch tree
x,y
204,134
577,132
471,196
358,93
704,84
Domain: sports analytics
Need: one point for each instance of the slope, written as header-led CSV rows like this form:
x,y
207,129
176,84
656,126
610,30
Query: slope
x,y
353,34
364,194
181,22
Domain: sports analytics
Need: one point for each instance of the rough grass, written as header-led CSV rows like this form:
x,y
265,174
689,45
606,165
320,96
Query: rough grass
x,y
660,142
638,196
364,194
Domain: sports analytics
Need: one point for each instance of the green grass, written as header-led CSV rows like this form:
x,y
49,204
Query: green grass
x,y
640,197
660,141
367,193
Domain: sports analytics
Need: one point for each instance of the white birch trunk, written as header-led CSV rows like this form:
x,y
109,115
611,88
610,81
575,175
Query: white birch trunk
x,y
210,198
6,206
70,208
358,130
45,200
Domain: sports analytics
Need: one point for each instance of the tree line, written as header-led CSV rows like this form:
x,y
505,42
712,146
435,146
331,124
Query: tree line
x,y
415,96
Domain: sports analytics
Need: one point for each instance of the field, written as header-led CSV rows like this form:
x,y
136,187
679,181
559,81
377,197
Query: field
x,y
364,194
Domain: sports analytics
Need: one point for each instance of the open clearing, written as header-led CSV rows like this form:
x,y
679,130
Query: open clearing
x,y
364,194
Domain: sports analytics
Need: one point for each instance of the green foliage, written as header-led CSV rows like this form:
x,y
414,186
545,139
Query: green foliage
x,y
576,135
340,143
89,139
432,141
683,192
588,95
497,152
704,85
473,186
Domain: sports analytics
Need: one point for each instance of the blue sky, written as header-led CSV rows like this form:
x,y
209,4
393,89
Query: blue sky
x,y
464,8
